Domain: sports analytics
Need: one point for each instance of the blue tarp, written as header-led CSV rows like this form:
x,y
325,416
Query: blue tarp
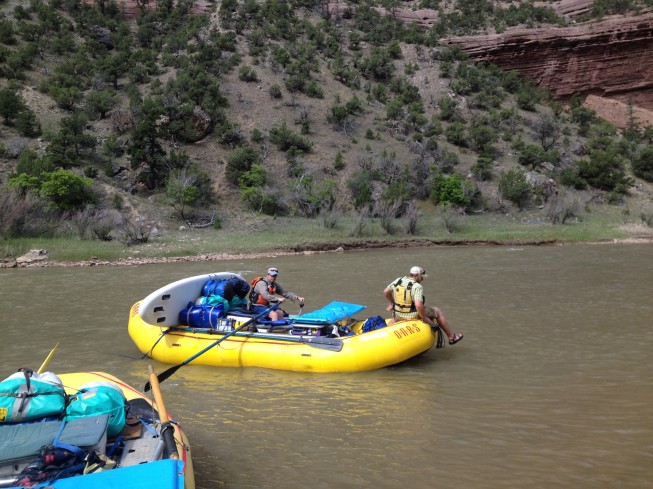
x,y
162,474
332,312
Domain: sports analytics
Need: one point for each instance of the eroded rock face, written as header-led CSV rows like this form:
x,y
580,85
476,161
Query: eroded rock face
x,y
612,58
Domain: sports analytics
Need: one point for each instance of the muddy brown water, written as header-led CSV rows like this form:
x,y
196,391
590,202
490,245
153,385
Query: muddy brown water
x,y
552,386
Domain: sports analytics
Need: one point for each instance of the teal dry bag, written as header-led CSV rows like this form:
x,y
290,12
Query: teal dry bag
x,y
99,398
27,395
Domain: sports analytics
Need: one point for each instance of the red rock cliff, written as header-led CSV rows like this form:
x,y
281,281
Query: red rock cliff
x,y
612,58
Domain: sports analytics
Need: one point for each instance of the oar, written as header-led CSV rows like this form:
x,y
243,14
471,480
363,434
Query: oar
x,y
47,359
333,344
167,430
164,375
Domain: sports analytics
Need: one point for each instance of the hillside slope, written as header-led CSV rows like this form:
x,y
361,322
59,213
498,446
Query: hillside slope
x,y
385,107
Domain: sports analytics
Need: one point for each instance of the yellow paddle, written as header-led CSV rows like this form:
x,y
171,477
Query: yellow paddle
x,y
167,430
47,359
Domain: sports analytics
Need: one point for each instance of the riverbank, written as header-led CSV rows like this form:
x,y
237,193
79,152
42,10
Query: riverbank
x,y
39,258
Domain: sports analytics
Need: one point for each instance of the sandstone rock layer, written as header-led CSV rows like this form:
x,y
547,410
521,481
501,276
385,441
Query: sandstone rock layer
x,y
612,58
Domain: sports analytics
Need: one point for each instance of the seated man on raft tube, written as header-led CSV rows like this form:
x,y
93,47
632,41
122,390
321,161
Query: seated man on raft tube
x,y
406,297
266,290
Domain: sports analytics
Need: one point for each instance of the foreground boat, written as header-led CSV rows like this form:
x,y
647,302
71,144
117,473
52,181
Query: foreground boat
x,y
326,340
125,441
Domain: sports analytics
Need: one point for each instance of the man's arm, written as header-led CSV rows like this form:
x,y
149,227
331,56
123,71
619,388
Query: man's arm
x,y
388,295
419,305
289,295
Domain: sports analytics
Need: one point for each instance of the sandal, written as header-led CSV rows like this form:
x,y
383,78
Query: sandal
x,y
456,338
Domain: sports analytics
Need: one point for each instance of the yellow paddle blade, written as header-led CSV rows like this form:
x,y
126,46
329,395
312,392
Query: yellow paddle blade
x,y
47,359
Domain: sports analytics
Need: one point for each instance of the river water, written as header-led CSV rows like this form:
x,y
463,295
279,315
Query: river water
x,y
552,386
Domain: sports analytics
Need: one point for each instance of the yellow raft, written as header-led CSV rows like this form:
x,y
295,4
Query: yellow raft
x,y
155,328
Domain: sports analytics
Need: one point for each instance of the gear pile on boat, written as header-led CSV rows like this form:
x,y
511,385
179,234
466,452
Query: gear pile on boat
x,y
86,430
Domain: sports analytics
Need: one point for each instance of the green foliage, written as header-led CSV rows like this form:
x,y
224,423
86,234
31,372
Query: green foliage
x,y
285,139
532,156
24,183
259,201
643,164
11,104
378,66
67,145
605,170
482,168
342,116
514,187
247,74
101,101
456,134
144,147
257,135
27,124
448,108
66,97
241,161
601,8
66,190
571,178
453,190
187,187
117,202
31,164
360,187
255,177
339,163
528,96
483,137
275,91
584,117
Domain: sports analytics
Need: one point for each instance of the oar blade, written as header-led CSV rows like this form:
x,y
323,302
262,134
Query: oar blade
x,y
331,344
162,376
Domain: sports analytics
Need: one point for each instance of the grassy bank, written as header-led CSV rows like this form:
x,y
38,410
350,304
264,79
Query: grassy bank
x,y
267,234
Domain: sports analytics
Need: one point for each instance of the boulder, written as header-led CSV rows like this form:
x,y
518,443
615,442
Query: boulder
x,y
31,257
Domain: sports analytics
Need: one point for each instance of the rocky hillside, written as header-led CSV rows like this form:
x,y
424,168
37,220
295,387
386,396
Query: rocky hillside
x,y
335,100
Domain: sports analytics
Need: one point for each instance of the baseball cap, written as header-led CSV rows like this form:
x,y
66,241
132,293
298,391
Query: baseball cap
x,y
418,271
273,271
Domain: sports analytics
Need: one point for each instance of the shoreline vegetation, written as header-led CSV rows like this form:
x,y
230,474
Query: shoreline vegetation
x,y
270,237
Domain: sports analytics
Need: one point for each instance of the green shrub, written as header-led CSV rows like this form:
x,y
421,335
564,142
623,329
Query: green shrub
x,y
257,135
604,170
533,156
66,190
482,169
452,189
571,178
514,187
247,74
643,164
285,139
360,187
275,91
240,161
339,163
